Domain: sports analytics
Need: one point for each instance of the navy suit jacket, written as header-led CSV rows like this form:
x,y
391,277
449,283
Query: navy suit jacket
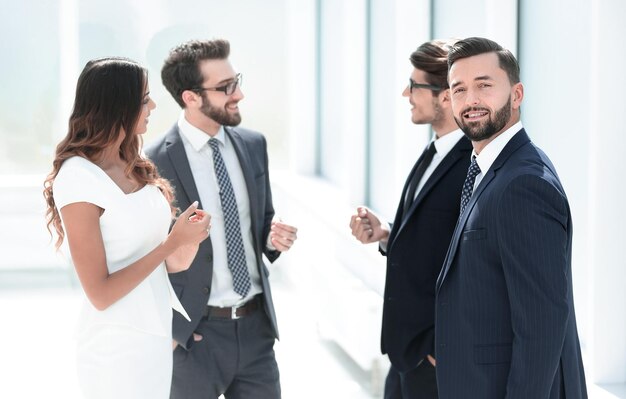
x,y
416,249
193,286
505,322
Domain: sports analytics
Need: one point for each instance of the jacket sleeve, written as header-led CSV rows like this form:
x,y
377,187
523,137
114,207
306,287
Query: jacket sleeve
x,y
271,254
533,223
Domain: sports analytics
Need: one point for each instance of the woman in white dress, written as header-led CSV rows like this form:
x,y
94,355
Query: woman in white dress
x,y
115,212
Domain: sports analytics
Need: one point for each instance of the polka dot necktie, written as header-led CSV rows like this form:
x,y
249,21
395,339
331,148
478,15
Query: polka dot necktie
x,y
234,243
468,186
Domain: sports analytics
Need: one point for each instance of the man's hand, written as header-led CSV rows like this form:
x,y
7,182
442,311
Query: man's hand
x,y
196,338
282,235
366,226
432,360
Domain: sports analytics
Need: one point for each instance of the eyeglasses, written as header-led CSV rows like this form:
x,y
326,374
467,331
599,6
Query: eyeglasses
x,y
413,85
228,88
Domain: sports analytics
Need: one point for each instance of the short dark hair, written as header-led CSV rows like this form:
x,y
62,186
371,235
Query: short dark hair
x,y
181,69
432,58
479,45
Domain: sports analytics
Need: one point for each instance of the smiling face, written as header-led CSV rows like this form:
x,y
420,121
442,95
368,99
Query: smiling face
x,y
484,102
425,106
147,105
219,107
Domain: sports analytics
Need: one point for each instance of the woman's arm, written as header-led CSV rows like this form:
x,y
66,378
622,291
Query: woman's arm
x,y
182,257
82,226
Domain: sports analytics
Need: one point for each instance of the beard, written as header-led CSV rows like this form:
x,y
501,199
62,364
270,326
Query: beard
x,y
478,131
438,116
220,115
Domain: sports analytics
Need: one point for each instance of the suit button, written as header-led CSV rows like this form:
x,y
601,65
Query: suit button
x,y
442,346
205,290
443,304
209,258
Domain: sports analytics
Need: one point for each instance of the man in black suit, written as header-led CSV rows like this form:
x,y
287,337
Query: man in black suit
x,y
228,348
506,326
416,243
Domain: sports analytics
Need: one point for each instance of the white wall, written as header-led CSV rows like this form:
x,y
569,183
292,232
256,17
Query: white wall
x,y
607,173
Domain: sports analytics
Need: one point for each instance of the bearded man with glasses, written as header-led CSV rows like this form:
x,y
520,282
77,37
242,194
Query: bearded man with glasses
x,y
228,347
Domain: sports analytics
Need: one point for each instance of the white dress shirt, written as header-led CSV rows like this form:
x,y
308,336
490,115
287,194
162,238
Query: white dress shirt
x,y
200,158
488,155
444,145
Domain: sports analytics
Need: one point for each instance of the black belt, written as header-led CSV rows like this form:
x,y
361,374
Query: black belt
x,y
234,312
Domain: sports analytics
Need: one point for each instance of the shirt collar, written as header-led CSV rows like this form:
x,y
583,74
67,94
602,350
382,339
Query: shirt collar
x,y
488,155
196,137
446,142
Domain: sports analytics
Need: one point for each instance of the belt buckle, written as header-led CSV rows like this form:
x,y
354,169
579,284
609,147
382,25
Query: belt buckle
x,y
233,312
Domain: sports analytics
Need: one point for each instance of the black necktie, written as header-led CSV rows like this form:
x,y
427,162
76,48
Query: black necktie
x,y
425,160
468,186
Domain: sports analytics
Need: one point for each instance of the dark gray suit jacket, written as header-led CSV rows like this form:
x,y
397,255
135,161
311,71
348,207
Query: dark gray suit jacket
x,y
505,323
193,286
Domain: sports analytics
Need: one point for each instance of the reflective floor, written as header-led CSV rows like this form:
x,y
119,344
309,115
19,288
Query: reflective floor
x,y
39,308
39,311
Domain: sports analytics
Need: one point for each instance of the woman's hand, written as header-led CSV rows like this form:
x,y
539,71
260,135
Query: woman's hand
x,y
187,227
191,228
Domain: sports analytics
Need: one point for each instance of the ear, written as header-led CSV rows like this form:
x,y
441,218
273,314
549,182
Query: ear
x,y
444,98
517,93
191,99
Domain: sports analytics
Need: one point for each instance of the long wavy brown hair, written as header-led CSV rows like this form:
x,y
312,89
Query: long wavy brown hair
x,y
108,103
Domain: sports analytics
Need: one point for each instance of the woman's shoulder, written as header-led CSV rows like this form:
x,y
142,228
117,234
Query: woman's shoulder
x,y
77,162
77,178
78,168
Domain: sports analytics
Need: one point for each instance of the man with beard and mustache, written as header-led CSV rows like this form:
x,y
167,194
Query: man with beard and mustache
x,y
415,244
228,347
505,322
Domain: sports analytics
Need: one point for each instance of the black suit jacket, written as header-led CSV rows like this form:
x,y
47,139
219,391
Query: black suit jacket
x,y
416,249
506,326
193,286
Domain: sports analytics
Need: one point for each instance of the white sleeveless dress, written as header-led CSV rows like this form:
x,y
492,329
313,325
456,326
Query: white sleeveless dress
x,y
125,350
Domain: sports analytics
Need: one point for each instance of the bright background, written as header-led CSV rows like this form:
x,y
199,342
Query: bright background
x,y
323,80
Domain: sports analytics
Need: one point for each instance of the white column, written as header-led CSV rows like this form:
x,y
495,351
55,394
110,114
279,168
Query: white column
x,y
607,224
302,76
501,18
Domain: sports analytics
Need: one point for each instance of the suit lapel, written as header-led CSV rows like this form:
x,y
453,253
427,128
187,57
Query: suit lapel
x,y
178,158
460,224
398,220
519,139
460,150
407,183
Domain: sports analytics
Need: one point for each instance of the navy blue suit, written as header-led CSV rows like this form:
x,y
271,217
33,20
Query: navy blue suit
x,y
416,249
505,322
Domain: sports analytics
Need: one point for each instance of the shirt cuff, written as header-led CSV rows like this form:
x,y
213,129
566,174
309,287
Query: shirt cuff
x,y
269,244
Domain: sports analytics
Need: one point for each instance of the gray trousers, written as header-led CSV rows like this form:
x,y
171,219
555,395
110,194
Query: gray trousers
x,y
234,358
